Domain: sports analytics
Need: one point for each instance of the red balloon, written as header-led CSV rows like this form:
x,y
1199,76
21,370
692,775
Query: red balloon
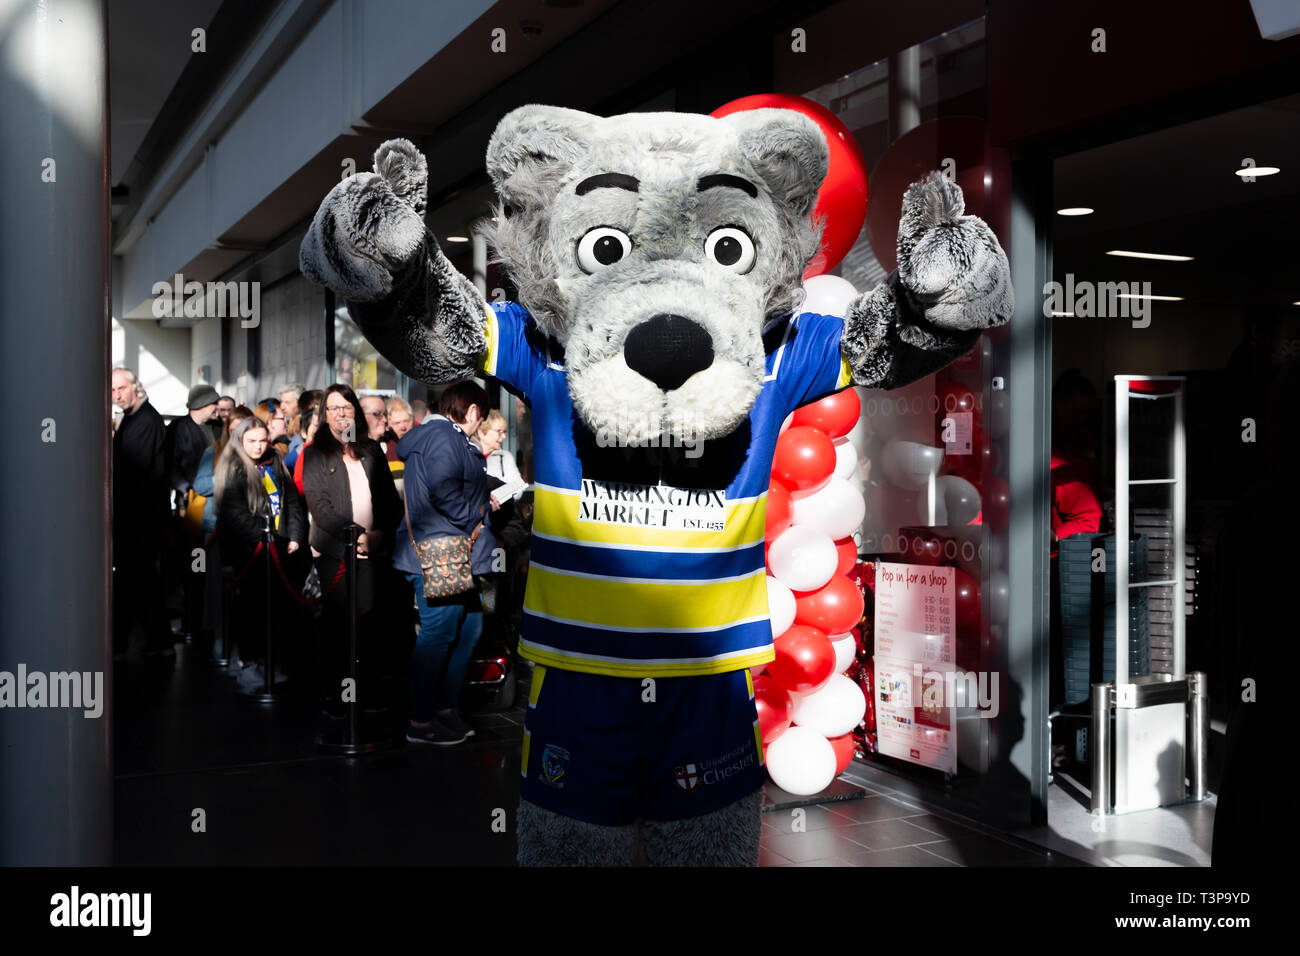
x,y
847,551
842,198
832,609
843,747
835,414
778,511
804,458
967,601
805,659
775,706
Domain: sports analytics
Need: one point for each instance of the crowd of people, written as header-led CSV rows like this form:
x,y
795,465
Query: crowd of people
x,y
265,503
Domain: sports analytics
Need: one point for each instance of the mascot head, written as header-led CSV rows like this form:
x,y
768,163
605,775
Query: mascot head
x,y
654,247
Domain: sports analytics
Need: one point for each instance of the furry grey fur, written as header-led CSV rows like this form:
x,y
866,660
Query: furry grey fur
x,y
539,154
726,837
952,282
368,243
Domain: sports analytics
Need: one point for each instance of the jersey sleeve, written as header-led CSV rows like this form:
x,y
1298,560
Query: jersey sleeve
x,y
810,365
515,353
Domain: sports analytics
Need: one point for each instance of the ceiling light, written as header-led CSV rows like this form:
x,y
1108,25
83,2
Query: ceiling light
x,y
1149,255
1157,298
1062,315
1075,211
458,238
1257,171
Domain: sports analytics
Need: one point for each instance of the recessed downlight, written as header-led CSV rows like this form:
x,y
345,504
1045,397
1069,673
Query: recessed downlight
x,y
1149,255
1257,171
1076,211
1154,298
458,238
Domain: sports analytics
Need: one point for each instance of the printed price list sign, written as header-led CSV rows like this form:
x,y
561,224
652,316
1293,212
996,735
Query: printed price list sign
x,y
916,638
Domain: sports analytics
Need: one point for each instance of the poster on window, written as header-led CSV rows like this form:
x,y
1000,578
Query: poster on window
x,y
915,631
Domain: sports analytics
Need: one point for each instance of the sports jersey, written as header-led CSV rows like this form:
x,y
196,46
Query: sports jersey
x,y
649,561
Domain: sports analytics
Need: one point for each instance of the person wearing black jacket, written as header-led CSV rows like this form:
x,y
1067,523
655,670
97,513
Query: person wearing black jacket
x,y
139,516
446,494
252,484
346,481
188,437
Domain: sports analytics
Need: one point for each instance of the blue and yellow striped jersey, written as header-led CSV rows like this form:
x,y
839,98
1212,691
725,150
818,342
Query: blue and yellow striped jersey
x,y
649,561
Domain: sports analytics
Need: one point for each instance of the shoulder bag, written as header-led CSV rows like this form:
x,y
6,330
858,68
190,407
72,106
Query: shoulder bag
x,y
444,560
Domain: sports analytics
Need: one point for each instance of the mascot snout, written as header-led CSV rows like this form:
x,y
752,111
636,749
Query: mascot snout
x,y
668,350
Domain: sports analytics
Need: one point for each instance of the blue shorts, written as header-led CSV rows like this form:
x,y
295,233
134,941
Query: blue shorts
x,y
612,750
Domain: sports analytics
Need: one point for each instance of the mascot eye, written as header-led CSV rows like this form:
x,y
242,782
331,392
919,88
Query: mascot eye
x,y
602,247
732,248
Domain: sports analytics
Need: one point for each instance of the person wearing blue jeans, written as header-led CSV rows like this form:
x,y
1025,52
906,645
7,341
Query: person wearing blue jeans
x,y
448,632
446,494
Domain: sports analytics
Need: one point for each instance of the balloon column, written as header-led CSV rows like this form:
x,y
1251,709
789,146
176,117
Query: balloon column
x,y
807,707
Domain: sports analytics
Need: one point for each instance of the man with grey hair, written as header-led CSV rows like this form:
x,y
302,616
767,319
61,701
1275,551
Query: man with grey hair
x,y
139,515
289,395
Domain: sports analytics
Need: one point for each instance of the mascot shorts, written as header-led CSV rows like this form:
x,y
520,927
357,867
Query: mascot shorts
x,y
611,750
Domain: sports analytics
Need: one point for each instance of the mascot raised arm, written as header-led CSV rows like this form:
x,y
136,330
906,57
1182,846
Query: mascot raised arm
x,y
659,342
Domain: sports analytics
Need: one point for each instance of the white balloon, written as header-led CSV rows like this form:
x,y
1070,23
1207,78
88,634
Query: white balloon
x,y
836,510
846,648
956,501
780,606
846,459
801,761
828,295
910,464
834,709
802,558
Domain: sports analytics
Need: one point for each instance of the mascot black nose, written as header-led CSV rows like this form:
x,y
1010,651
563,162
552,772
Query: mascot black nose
x,y
668,349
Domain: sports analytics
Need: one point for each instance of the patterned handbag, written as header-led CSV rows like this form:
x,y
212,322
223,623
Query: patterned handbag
x,y
444,560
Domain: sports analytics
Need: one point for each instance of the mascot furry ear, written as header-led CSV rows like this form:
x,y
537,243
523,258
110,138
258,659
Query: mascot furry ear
x,y
658,258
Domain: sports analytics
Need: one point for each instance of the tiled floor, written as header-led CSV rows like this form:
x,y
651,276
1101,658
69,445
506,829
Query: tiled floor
x,y
186,739
884,829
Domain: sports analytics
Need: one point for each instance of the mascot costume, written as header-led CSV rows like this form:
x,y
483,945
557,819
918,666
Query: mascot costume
x,y
658,340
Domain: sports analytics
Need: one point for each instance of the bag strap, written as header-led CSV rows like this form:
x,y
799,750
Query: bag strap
x,y
410,534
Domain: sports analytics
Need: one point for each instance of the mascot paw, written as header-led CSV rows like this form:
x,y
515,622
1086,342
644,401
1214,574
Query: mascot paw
x,y
369,226
726,837
547,838
950,264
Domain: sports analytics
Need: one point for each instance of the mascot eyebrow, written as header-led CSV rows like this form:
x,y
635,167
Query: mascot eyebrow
x,y
722,179
632,184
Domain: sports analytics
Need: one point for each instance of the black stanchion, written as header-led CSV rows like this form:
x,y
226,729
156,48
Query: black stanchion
x,y
227,590
355,739
267,696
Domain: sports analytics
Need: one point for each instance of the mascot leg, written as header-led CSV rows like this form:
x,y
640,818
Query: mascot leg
x,y
726,837
547,838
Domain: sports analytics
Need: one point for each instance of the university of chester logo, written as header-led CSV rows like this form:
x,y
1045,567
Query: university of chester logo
x,y
687,778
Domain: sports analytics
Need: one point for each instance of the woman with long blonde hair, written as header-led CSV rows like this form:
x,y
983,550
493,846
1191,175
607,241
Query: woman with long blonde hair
x,y
252,484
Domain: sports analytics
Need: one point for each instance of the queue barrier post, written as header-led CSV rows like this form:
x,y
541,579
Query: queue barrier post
x,y
353,738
